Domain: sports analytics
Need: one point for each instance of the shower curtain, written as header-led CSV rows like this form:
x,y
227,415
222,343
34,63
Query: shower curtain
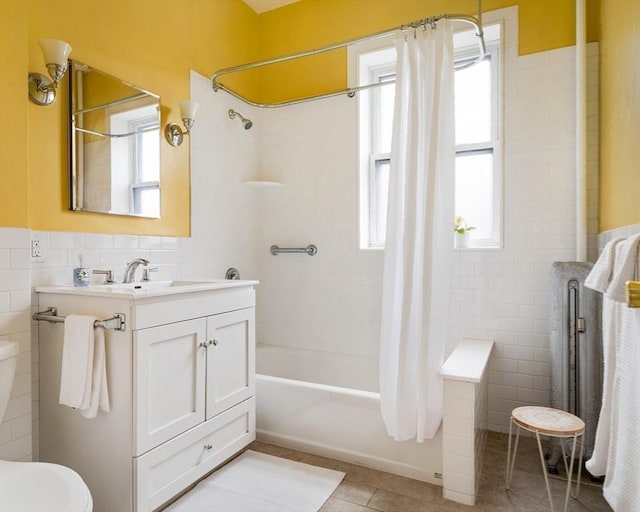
x,y
419,242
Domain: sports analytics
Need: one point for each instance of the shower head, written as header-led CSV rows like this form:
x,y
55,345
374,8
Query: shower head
x,y
245,122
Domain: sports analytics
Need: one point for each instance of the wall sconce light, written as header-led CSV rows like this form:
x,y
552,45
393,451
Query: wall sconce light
x,y
173,132
42,91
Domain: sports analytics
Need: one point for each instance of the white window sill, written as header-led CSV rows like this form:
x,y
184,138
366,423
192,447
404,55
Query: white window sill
x,y
479,248
472,248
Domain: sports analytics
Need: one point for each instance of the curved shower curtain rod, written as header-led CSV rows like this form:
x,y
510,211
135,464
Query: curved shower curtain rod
x,y
475,22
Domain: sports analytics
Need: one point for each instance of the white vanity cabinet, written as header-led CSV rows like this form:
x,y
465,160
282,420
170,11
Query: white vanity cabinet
x,y
181,383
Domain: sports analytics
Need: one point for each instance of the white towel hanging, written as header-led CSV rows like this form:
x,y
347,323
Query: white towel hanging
x,y
83,379
617,447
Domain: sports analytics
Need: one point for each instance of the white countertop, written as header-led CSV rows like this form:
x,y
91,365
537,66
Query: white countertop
x,y
147,288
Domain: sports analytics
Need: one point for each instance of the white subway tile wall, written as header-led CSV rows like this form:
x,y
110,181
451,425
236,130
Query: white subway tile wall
x,y
15,301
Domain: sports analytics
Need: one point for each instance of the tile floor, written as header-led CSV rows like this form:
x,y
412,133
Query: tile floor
x,y
368,490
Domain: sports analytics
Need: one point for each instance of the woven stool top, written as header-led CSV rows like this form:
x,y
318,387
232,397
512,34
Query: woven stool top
x,y
547,421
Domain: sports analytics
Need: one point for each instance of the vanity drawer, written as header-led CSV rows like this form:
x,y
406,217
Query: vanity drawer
x,y
166,310
170,468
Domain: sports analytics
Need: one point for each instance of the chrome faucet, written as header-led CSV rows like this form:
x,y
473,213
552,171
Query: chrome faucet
x,y
132,266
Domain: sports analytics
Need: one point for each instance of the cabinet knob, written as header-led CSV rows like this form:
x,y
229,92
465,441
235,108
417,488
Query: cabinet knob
x,y
213,342
203,344
208,447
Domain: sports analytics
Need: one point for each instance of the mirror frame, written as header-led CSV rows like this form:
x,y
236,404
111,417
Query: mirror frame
x,y
74,195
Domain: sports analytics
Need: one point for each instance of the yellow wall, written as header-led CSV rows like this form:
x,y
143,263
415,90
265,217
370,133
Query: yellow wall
x,y
619,113
544,24
154,43
13,114
151,43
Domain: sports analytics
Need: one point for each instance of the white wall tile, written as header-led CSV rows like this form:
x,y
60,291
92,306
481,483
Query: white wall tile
x,y
458,464
455,482
459,427
458,389
458,445
455,407
14,238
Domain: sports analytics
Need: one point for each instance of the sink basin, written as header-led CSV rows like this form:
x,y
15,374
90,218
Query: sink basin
x,y
157,285
148,288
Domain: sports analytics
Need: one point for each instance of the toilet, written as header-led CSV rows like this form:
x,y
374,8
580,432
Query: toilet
x,y
35,486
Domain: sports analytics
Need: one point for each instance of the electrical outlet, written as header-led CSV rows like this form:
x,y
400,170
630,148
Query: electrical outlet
x,y
36,251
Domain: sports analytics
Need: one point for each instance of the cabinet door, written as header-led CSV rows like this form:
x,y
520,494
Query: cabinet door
x,y
230,359
169,381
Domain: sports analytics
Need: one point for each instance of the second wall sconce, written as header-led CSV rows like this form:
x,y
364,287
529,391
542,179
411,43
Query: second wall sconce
x,y
173,133
42,91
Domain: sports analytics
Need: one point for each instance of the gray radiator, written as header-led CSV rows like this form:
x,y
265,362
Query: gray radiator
x,y
576,350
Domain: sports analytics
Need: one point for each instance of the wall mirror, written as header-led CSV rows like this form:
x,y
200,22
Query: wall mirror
x,y
115,145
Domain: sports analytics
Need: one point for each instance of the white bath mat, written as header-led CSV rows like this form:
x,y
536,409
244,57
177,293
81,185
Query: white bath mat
x,y
255,482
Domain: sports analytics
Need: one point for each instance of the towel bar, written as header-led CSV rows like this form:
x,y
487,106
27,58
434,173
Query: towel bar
x,y
117,322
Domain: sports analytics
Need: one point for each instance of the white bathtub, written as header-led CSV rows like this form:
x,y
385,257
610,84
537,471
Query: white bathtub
x,y
328,404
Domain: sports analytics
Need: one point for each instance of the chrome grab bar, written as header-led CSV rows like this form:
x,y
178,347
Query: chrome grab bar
x,y
117,322
311,250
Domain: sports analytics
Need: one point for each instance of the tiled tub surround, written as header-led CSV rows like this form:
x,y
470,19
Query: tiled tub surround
x,y
464,422
329,405
331,302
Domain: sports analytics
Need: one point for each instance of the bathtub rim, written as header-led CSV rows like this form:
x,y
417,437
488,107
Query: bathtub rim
x,y
367,395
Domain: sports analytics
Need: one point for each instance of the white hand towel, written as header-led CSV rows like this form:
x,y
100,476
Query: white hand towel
x,y
622,482
83,380
601,274
617,447
626,269
77,360
99,397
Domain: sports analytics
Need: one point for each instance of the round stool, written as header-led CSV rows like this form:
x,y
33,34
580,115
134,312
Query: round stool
x,y
553,423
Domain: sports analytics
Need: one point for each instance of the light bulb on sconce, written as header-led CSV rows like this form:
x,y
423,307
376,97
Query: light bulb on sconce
x,y
42,91
173,132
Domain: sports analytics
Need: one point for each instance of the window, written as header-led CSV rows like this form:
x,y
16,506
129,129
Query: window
x,y
478,175
145,165
135,161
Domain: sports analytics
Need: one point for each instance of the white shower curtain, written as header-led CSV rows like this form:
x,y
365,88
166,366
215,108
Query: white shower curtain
x,y
419,242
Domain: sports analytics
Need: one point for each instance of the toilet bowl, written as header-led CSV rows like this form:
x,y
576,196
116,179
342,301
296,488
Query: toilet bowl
x,y
39,486
35,486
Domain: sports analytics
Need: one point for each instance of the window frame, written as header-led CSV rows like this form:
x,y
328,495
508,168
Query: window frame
x,y
369,61
140,126
494,145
